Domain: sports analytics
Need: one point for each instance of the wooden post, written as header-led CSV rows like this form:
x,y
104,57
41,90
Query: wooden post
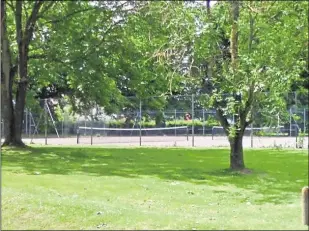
x,y
305,205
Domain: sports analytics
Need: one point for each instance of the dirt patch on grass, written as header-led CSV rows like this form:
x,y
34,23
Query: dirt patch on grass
x,y
246,171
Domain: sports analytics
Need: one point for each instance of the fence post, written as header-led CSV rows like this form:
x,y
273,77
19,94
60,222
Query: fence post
x,y
203,122
26,122
30,123
251,133
175,121
140,122
91,135
304,120
278,123
62,123
45,120
290,122
192,119
187,133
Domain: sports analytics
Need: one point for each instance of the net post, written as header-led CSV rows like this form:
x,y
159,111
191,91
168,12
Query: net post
x,y
140,122
212,133
192,119
77,137
45,119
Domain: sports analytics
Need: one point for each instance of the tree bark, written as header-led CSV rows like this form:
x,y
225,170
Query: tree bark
x,y
236,153
13,116
7,74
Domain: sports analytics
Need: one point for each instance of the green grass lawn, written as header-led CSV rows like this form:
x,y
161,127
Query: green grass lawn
x,y
148,188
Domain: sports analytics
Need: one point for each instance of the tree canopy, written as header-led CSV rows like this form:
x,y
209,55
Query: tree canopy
x,y
236,55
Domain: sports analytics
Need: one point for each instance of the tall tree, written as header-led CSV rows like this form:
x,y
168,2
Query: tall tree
x,y
15,63
44,42
262,65
244,59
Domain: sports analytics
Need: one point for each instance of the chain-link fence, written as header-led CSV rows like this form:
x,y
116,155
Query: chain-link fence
x,y
159,121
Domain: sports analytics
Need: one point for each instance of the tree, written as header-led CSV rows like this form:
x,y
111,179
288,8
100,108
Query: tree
x,y
15,62
67,50
262,64
43,42
243,59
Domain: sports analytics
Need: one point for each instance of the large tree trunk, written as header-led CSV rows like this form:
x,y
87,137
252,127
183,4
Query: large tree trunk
x,y
7,75
236,152
13,116
236,147
19,113
8,117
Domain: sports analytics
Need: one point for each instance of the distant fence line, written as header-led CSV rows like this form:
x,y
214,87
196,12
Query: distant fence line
x,y
181,111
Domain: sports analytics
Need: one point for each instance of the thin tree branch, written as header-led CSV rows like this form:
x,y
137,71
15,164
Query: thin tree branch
x,y
70,15
31,21
18,21
25,10
112,26
11,5
225,124
47,7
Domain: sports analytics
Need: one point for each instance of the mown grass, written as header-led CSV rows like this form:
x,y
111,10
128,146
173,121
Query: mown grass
x,y
149,188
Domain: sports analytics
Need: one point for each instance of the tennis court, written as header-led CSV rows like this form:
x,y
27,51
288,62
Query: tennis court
x,y
170,141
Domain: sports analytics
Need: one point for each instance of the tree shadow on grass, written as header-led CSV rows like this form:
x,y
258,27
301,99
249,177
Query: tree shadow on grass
x,y
197,166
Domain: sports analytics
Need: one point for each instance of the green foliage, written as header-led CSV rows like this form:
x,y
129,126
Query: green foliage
x,y
232,131
113,53
171,123
267,62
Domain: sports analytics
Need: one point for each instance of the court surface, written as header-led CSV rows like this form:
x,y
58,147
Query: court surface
x,y
170,141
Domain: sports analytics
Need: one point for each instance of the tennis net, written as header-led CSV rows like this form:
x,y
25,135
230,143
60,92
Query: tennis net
x,y
218,131
95,135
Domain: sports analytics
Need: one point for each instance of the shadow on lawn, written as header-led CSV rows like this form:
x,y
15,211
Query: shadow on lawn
x,y
274,178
